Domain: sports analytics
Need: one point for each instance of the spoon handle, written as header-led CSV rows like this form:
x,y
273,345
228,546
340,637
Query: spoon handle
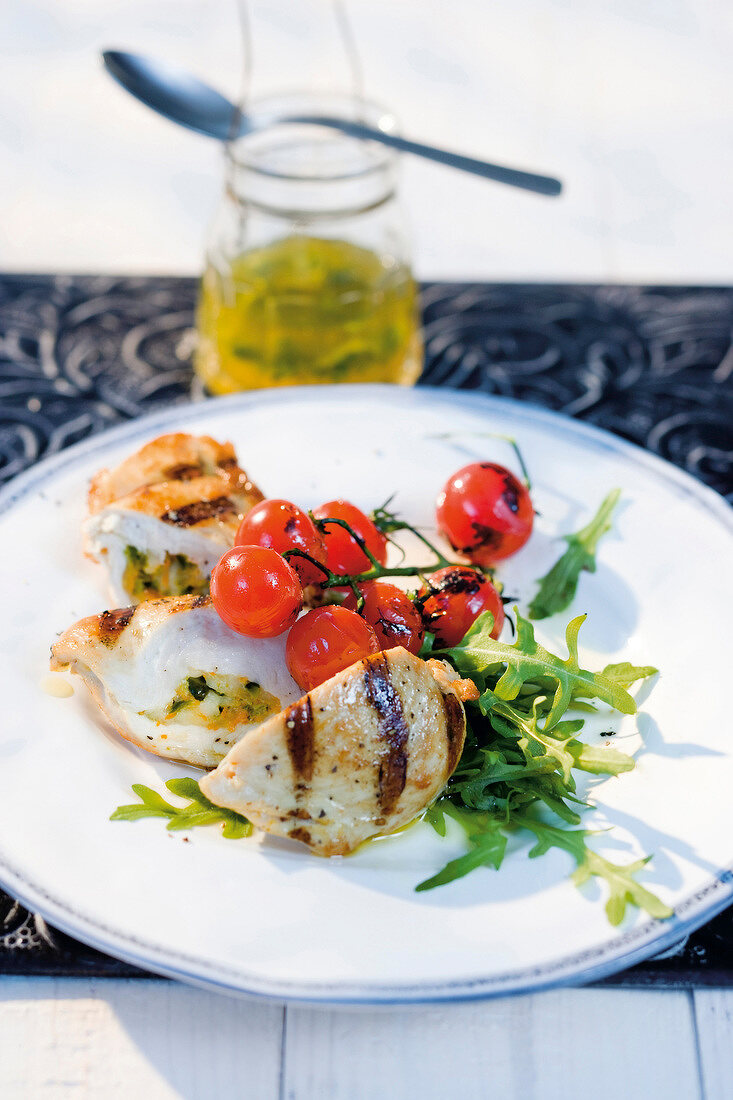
x,y
529,181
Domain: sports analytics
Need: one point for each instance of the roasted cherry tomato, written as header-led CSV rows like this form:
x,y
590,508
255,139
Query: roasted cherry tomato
x,y
453,599
485,512
255,591
324,642
343,554
282,526
392,613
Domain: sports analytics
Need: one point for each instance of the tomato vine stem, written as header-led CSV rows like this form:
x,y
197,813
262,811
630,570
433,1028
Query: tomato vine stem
x,y
377,571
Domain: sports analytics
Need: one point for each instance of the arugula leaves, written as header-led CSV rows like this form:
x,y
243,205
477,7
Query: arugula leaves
x,y
198,811
529,667
623,887
521,753
558,587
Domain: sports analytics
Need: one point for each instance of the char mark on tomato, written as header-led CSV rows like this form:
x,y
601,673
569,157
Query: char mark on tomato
x,y
484,536
395,632
456,581
199,511
299,736
393,730
112,623
511,493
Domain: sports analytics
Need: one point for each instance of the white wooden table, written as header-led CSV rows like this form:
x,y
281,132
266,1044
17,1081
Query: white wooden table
x,y
631,104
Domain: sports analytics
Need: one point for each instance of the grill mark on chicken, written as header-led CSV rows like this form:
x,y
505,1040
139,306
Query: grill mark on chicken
x,y
300,834
453,730
199,510
392,727
201,601
299,737
183,471
112,623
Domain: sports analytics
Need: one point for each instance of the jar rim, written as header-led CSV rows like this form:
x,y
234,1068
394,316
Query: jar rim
x,y
359,157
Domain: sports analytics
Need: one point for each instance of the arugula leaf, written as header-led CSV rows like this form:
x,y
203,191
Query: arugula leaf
x,y
488,845
620,880
487,850
521,751
627,674
560,746
480,655
198,811
559,585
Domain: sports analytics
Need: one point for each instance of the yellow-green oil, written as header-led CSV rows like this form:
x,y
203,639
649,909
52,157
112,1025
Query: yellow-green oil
x,y
305,310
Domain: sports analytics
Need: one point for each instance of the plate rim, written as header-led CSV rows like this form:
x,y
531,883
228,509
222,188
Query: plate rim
x,y
618,953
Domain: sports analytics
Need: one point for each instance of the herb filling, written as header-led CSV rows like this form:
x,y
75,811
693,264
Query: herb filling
x,y
219,702
175,575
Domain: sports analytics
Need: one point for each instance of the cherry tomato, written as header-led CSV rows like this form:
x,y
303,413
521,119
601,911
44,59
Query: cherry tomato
x,y
282,526
324,642
485,512
343,554
255,591
452,601
392,614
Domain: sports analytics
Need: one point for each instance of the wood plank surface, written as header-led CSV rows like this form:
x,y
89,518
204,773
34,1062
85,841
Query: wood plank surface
x,y
134,1040
714,1024
605,1043
160,1040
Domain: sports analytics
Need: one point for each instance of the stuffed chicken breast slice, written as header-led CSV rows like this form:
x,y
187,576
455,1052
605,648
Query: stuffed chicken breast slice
x,y
164,539
161,520
174,679
173,457
359,756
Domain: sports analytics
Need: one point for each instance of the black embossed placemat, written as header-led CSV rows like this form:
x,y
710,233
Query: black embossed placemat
x,y
653,364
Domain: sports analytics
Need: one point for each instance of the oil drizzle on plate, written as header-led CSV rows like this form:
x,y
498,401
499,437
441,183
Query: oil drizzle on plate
x,y
56,685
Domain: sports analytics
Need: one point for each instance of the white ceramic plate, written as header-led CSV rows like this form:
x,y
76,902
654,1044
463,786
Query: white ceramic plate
x,y
266,918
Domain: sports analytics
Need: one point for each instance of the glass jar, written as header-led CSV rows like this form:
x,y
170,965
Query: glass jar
x,y
307,275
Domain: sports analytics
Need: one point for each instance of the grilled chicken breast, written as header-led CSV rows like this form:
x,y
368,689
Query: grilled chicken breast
x,y
357,757
174,679
173,457
161,520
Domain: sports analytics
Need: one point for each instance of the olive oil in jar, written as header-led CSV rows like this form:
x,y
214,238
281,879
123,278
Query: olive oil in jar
x,y
307,310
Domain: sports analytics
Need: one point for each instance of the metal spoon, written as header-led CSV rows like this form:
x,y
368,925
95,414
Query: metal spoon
x,y
182,98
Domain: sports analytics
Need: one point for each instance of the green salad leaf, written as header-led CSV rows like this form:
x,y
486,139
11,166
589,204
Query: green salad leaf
x,y
528,669
558,587
522,753
626,674
197,811
623,887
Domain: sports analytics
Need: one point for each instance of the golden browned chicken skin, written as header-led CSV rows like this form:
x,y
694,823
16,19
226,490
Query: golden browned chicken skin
x,y
173,457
